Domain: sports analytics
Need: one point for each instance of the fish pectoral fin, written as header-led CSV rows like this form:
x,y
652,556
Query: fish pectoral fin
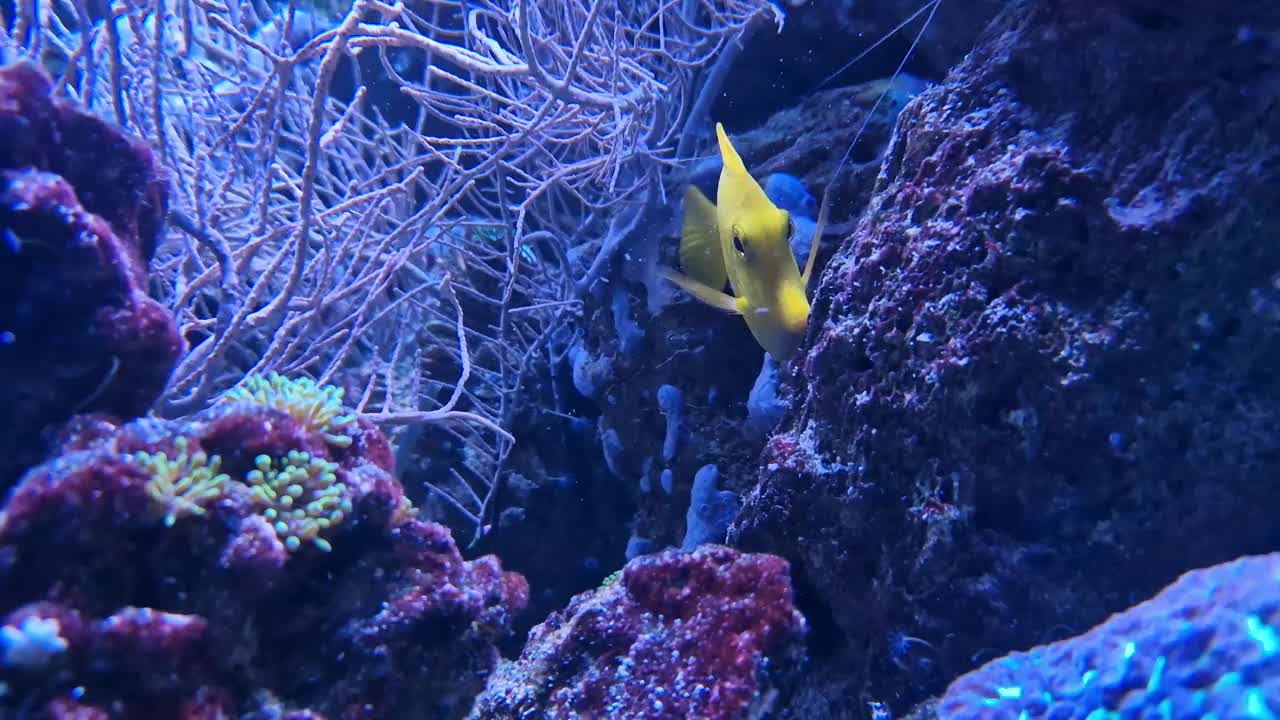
x,y
708,295
700,254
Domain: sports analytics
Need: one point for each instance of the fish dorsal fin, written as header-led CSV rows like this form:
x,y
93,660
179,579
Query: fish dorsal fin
x,y
738,192
701,256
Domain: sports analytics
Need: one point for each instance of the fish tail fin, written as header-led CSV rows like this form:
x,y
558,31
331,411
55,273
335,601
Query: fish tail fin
x,y
701,256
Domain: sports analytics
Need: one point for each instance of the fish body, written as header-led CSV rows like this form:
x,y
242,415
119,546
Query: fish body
x,y
755,235
744,238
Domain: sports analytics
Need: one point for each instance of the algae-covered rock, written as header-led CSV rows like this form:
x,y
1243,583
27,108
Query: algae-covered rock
x,y
1038,379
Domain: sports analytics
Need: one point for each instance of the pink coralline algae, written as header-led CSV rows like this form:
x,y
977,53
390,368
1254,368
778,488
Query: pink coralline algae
x,y
81,208
142,575
710,635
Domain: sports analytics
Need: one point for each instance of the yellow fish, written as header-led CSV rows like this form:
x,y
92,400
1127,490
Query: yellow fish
x,y
746,239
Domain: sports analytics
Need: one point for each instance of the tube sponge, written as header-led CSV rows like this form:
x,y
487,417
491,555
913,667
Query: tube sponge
x,y
671,403
611,444
630,334
764,407
711,511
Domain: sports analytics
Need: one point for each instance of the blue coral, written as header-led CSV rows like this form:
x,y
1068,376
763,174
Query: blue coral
x,y
32,643
1208,646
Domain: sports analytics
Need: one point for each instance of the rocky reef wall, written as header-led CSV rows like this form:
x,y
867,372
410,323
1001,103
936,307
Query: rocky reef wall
x,y
1037,378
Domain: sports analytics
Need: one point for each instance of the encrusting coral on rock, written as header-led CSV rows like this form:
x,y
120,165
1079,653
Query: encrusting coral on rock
x,y
708,635
189,567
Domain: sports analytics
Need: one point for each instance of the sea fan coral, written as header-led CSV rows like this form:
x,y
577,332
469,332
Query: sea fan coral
x,y
336,178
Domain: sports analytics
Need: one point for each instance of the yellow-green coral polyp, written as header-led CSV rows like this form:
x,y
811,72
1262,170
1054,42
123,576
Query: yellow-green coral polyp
x,y
184,484
317,407
300,497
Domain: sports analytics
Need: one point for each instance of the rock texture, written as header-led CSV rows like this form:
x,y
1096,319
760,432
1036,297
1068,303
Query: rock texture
x,y
779,69
138,587
711,635
1038,379
81,208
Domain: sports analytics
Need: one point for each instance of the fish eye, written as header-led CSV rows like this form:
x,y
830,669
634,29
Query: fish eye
x,y
791,227
739,245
